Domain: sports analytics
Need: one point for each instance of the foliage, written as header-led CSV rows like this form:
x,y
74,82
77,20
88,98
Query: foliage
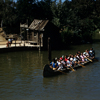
x,y
80,17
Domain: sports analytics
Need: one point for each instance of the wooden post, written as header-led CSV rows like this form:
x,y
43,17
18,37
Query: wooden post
x,y
49,49
1,23
8,43
20,33
40,43
24,35
15,42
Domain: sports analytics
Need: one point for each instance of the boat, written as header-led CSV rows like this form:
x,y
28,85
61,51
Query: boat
x,y
48,72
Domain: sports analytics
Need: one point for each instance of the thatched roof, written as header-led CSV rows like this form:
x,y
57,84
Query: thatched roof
x,y
38,24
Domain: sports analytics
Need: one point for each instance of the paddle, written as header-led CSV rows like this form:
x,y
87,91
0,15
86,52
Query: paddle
x,y
89,59
81,65
72,68
62,72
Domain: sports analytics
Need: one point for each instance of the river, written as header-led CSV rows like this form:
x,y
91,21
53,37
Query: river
x,y
21,77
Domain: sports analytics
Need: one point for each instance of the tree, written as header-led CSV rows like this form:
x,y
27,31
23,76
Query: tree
x,y
7,12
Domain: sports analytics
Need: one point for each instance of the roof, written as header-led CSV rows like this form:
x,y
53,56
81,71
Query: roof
x,y
38,24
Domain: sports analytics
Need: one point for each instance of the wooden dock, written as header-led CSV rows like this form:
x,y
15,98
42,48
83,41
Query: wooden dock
x,y
18,46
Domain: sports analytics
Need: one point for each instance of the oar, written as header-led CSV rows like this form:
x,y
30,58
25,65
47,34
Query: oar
x,y
89,59
62,72
81,65
72,68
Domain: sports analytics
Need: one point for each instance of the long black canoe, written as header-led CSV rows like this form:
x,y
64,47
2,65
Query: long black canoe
x,y
48,72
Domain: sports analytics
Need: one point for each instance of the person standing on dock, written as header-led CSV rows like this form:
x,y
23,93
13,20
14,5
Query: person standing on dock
x,y
9,42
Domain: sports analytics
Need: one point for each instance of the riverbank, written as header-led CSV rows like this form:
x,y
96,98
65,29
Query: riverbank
x,y
17,46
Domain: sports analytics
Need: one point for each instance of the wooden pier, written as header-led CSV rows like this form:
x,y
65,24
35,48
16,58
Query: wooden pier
x,y
18,46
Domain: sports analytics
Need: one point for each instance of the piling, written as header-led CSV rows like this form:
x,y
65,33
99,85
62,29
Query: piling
x,y
49,48
40,45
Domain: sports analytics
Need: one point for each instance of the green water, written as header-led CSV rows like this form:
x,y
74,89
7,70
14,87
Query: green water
x,y
21,77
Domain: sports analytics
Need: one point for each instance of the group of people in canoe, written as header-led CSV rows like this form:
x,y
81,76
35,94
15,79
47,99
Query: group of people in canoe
x,y
72,60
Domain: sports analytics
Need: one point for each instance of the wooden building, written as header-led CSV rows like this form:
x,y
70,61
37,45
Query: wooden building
x,y
40,30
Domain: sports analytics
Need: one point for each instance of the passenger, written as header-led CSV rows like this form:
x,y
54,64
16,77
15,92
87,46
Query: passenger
x,y
72,56
85,59
75,60
61,57
84,53
66,58
69,63
78,52
63,63
82,57
79,58
53,65
71,59
57,60
60,65
69,56
91,53
87,53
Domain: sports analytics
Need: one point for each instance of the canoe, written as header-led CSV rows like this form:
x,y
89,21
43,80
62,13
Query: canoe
x,y
48,72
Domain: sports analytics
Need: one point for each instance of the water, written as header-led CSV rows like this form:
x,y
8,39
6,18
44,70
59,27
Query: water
x,y
21,77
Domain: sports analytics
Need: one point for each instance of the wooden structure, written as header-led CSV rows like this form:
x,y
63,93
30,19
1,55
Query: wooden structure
x,y
35,33
40,30
23,27
2,34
